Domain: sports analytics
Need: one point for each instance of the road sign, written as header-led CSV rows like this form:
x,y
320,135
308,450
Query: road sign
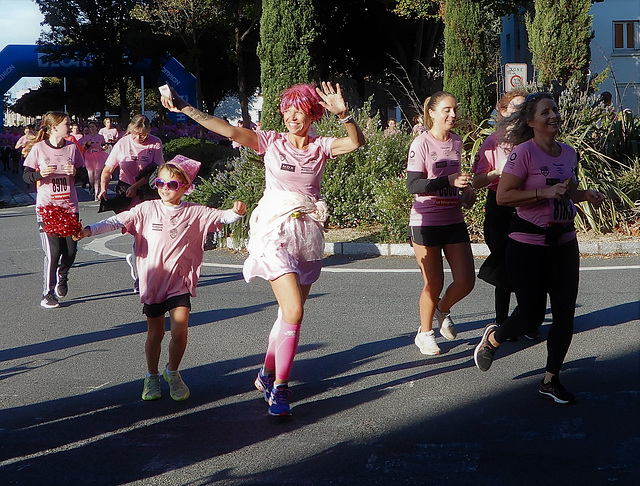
x,y
515,76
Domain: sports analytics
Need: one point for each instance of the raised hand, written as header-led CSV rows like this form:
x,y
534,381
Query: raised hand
x,y
331,99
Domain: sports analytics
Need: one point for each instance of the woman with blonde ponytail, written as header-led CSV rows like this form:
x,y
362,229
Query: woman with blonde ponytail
x,y
51,164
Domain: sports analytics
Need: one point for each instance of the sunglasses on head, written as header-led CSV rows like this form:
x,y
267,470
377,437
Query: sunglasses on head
x,y
172,185
536,96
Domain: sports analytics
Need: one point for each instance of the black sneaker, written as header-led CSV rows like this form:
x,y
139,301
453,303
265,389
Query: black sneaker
x,y
61,289
533,335
556,392
483,354
49,301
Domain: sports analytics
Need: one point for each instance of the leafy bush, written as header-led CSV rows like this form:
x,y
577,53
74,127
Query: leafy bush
x,y
587,128
214,157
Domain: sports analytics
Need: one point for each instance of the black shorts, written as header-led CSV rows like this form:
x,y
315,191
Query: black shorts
x,y
160,309
448,234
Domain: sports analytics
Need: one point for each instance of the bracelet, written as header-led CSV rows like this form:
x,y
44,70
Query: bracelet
x,y
346,119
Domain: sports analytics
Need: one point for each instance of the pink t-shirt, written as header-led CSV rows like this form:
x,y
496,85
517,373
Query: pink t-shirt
x,y
538,169
132,157
110,134
435,159
96,142
58,187
290,169
169,246
491,156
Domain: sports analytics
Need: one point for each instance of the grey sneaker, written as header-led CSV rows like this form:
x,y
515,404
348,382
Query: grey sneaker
x,y
447,328
49,301
62,288
426,342
177,389
151,388
485,351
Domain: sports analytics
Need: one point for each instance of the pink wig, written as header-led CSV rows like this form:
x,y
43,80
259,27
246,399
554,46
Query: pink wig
x,y
302,97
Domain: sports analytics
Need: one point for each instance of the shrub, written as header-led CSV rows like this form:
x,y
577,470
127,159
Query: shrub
x,y
214,157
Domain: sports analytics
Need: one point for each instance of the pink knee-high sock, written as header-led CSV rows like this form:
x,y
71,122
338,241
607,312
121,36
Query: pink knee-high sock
x,y
286,346
270,356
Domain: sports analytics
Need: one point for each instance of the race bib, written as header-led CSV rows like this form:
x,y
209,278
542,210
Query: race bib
x,y
60,188
562,210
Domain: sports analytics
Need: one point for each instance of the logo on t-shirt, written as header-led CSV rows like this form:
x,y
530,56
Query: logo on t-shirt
x,y
544,170
173,233
288,168
513,156
434,156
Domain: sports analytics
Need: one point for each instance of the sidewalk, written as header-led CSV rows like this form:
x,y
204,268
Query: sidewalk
x,y
13,192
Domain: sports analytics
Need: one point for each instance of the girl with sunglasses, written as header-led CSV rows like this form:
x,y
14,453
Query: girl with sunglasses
x,y
286,242
542,257
172,233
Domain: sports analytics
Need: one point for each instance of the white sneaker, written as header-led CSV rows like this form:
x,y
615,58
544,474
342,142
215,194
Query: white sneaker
x,y
426,341
447,328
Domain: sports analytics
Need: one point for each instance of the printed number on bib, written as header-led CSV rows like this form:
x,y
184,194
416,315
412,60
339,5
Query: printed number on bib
x,y
562,210
60,189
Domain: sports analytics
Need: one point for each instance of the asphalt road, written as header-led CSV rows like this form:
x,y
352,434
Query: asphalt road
x,y
368,407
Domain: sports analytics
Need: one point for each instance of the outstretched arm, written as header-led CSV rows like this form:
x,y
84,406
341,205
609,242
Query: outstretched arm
x,y
333,102
241,135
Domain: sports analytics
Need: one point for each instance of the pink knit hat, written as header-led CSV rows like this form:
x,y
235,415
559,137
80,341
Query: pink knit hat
x,y
189,166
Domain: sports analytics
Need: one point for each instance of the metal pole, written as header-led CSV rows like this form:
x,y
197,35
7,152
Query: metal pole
x,y
64,87
142,93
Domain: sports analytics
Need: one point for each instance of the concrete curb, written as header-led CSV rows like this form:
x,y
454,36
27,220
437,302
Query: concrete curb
x,y
478,249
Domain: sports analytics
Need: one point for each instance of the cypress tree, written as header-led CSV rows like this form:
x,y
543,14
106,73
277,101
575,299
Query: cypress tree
x,y
467,65
288,33
559,36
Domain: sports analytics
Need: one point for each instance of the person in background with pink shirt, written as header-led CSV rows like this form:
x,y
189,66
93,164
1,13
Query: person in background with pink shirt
x,y
487,168
94,156
542,257
51,165
286,242
436,223
137,154
110,133
172,234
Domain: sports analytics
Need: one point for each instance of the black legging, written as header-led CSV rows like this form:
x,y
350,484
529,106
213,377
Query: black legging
x,y
536,271
496,235
59,255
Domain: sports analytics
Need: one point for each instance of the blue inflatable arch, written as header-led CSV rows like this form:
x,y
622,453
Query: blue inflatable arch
x,y
18,61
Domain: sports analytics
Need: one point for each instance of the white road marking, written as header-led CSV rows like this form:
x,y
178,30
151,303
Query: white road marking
x,y
99,245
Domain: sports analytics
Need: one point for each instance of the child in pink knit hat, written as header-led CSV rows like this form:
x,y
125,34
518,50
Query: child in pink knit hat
x,y
170,234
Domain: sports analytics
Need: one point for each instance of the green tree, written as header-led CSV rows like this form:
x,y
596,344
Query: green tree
x,y
288,34
103,32
467,62
192,20
559,36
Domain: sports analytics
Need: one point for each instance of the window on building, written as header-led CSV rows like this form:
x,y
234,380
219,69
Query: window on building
x,y
626,35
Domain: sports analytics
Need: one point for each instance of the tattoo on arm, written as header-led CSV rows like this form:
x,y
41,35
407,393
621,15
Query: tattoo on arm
x,y
196,115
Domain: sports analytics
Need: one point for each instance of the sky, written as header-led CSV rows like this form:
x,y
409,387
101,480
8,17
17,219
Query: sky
x,y
20,24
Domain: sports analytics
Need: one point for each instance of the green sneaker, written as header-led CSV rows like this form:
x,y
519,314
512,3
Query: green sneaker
x,y
177,389
151,388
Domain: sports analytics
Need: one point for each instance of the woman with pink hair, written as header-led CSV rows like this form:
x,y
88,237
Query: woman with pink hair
x,y
286,243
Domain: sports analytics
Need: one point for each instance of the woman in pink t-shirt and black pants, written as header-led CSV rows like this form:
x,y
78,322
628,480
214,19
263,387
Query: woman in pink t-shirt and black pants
x,y
286,239
51,164
436,224
542,257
